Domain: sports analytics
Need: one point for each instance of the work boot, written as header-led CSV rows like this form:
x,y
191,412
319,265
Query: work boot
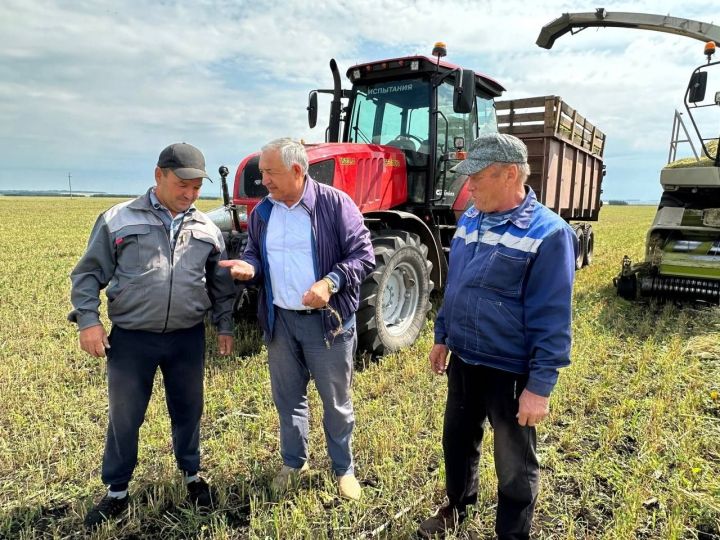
x,y
287,477
446,519
108,507
349,487
201,494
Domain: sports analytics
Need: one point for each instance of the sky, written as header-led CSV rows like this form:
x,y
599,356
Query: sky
x,y
97,88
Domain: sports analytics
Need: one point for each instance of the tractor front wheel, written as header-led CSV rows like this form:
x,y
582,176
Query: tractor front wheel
x,y
395,297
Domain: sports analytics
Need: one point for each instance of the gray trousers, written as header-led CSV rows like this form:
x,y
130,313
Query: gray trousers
x,y
297,352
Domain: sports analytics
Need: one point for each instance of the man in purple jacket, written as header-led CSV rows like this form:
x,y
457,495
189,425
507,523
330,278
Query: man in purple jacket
x,y
308,250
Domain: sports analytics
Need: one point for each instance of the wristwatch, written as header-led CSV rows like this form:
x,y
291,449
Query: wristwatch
x,y
331,285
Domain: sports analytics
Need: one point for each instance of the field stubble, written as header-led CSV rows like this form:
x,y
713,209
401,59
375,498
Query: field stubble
x,y
631,449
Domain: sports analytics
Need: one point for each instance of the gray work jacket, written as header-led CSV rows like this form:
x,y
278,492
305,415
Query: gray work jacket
x,y
151,286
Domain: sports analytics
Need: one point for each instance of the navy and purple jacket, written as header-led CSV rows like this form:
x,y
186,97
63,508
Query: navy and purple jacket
x,y
341,250
508,298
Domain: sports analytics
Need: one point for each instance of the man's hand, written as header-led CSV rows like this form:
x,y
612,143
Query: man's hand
x,y
239,270
317,295
225,344
94,340
532,408
438,358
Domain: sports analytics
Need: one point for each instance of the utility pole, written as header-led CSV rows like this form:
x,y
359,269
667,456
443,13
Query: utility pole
x,y
70,184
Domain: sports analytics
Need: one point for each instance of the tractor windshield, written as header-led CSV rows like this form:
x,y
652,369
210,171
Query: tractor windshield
x,y
395,113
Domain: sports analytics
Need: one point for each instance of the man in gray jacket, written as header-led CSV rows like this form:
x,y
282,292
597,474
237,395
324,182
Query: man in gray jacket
x,y
158,257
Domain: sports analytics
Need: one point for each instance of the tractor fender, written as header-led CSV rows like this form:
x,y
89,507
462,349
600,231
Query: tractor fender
x,y
397,219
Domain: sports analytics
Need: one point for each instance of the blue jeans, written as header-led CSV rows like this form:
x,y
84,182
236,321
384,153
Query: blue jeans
x,y
297,352
476,394
132,361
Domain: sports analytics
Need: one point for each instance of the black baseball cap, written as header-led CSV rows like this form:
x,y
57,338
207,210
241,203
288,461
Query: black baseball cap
x,y
186,161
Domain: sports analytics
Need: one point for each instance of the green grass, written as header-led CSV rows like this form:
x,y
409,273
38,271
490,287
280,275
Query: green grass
x,y
631,449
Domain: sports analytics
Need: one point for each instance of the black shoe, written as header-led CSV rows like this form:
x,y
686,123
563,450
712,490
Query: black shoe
x,y
201,494
108,507
446,519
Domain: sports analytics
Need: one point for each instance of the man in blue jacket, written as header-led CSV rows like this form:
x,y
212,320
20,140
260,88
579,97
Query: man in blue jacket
x,y
505,321
309,251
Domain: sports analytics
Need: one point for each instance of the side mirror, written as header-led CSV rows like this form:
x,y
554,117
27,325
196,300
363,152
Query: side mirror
x,y
464,93
312,109
697,86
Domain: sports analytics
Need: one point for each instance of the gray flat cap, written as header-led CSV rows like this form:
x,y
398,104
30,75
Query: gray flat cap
x,y
186,161
492,148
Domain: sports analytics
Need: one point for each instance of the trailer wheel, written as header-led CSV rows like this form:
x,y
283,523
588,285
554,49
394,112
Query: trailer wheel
x,y
589,241
395,297
581,247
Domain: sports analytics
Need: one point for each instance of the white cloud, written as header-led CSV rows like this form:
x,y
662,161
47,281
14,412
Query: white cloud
x,y
100,87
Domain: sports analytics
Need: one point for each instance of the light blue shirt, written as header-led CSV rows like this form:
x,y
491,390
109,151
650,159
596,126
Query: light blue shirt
x,y
289,254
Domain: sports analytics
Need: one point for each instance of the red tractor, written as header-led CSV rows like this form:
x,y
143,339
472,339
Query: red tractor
x,y
390,144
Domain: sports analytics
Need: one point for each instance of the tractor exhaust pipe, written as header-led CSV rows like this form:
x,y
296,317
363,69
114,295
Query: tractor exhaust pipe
x,y
335,104
224,171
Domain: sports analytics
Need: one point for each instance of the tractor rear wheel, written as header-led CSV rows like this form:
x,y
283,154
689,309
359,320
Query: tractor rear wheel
x,y
395,297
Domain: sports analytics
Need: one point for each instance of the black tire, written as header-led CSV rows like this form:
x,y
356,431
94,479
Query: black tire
x,y
581,247
589,239
385,322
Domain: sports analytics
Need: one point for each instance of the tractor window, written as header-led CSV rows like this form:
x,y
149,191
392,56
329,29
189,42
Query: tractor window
x,y
323,171
251,180
394,113
451,124
487,119
363,120
391,124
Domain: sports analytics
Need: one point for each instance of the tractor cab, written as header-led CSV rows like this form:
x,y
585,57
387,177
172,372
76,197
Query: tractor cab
x,y
399,130
420,106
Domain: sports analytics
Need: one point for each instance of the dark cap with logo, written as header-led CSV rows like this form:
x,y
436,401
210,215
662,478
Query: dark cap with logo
x,y
492,148
186,161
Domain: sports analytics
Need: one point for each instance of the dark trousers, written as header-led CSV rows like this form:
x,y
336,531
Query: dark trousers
x,y
132,360
476,393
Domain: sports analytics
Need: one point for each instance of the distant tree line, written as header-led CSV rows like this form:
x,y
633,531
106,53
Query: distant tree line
x,y
27,193
614,202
